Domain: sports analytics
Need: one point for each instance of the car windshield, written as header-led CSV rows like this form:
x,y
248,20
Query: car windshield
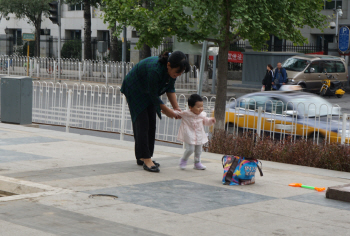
x,y
311,106
295,64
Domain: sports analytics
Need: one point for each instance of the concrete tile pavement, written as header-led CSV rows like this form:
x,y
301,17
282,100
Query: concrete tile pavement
x,y
172,202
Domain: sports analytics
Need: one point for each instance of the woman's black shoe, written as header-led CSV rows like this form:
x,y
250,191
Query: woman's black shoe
x,y
140,163
152,169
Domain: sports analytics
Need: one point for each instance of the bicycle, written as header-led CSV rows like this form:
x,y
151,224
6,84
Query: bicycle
x,y
31,66
5,63
50,69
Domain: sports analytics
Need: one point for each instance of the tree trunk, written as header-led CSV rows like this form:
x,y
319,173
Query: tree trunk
x,y
220,102
145,52
37,37
87,31
114,44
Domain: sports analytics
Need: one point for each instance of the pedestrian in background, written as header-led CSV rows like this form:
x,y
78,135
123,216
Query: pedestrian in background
x,y
267,81
191,131
280,76
142,86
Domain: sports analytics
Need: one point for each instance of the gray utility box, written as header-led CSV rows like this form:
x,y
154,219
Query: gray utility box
x,y
102,46
16,100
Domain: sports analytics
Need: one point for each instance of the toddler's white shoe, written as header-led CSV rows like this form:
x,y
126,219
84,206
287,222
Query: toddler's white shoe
x,y
199,166
183,164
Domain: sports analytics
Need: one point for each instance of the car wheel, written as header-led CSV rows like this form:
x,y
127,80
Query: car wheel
x,y
303,86
339,95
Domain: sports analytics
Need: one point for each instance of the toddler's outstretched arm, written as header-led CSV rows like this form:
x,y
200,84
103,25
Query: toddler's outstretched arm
x,y
209,121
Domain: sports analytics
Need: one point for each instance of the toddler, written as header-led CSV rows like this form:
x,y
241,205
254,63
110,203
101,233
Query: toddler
x,y
192,132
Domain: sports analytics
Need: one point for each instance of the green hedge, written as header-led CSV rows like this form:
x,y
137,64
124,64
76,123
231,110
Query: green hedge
x,y
331,156
72,49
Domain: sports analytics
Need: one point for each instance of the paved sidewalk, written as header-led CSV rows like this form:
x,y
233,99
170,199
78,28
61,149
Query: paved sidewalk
x,y
57,172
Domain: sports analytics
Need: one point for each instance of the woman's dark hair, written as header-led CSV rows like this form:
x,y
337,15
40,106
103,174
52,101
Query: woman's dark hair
x,y
193,99
270,66
177,60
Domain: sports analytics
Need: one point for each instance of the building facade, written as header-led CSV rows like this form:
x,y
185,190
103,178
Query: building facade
x,y
72,20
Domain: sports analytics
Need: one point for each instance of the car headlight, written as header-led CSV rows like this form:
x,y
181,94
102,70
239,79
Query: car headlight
x,y
291,80
347,133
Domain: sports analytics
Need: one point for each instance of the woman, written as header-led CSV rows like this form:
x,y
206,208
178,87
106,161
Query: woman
x,y
143,85
267,81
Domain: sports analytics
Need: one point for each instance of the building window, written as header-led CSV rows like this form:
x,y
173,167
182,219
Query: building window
x,y
75,34
76,7
330,5
329,38
45,32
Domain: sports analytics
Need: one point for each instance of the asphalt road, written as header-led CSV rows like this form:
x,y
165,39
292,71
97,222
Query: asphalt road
x,y
343,102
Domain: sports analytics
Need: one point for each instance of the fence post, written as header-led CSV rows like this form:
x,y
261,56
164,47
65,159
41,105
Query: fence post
x,y
213,80
37,70
258,129
79,65
123,70
31,68
122,124
8,66
197,73
106,75
54,71
101,68
343,134
68,109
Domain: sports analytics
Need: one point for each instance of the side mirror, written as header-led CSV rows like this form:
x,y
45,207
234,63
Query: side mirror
x,y
312,70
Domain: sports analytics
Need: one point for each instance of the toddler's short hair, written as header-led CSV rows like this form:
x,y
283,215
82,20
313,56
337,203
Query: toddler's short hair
x,y
193,99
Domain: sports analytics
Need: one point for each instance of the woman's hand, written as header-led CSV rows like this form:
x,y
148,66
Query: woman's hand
x,y
168,112
173,102
179,110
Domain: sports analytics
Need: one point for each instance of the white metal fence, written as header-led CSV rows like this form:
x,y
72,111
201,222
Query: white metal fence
x,y
101,108
108,73
104,108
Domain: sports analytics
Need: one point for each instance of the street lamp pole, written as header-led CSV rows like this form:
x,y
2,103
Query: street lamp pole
x,y
59,41
124,53
338,12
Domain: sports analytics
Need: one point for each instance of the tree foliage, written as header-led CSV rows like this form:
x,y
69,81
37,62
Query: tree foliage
x,y
33,10
24,8
221,21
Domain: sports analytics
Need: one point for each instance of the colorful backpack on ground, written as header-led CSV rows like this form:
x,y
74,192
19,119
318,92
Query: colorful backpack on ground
x,y
239,170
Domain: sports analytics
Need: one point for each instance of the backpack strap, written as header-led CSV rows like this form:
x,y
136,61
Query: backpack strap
x,y
229,174
222,161
259,168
